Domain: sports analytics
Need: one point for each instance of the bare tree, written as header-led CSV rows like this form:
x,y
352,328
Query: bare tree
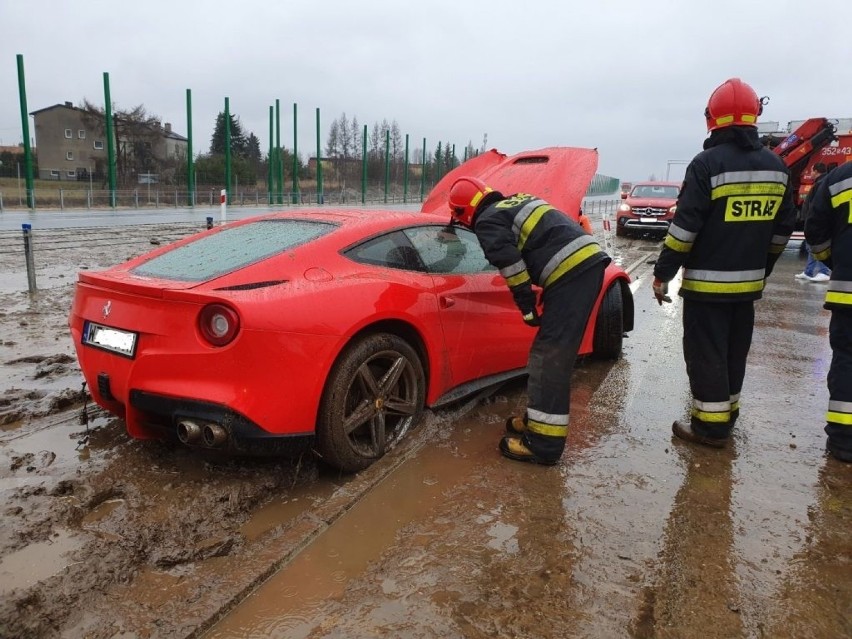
x,y
346,149
469,151
396,151
332,147
137,134
355,132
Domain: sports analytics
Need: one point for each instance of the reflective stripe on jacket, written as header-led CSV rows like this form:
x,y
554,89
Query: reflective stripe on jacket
x,y
734,217
533,243
829,234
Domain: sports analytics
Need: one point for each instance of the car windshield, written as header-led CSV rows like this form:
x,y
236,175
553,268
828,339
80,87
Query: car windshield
x,y
655,190
232,248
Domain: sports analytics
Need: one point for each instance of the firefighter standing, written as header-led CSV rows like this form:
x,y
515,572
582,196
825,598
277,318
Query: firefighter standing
x,y
734,217
828,232
531,242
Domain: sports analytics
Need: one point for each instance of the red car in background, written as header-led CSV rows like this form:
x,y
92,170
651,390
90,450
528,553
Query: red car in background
x,y
647,209
330,327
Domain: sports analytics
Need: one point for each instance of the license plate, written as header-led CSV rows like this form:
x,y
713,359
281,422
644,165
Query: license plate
x,y
109,339
648,219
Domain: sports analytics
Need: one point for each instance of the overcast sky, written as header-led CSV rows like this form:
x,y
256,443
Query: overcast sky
x,y
629,77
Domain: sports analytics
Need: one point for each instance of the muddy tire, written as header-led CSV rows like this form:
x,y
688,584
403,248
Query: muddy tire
x,y
609,327
373,397
619,230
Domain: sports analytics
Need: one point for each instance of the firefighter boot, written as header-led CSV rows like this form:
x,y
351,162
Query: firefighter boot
x,y
684,430
837,452
516,425
514,448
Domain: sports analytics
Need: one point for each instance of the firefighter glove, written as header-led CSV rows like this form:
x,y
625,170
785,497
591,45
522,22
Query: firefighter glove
x,y
531,318
661,291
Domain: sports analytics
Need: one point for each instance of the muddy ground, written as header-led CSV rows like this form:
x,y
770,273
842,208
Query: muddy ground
x,y
633,535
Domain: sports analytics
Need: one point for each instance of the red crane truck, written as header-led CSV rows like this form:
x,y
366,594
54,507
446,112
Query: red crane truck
x,y
815,140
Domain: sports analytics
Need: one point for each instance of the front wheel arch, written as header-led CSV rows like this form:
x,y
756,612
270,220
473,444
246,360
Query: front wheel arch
x,y
374,395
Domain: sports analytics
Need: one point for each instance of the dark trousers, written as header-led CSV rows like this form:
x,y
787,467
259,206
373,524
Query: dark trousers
x,y
839,420
567,306
716,341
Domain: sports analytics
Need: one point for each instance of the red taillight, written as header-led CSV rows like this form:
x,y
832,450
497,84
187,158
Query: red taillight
x,y
218,324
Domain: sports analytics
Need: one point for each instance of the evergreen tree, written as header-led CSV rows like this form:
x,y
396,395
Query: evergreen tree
x,y
254,156
449,162
239,142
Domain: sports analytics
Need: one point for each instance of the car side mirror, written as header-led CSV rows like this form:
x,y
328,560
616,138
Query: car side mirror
x,y
624,196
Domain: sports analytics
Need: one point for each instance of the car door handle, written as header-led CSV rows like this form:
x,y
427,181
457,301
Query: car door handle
x,y
446,302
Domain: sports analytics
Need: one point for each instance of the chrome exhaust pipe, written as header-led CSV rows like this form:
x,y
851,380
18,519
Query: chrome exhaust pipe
x,y
188,431
214,435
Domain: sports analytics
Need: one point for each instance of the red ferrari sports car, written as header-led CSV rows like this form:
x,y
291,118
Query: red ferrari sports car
x,y
325,326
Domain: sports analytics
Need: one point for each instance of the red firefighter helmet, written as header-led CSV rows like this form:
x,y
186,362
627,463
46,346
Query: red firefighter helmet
x,y
465,195
733,103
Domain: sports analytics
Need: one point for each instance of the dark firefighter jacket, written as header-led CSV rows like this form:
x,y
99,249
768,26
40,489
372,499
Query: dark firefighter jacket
x,y
828,231
533,243
733,219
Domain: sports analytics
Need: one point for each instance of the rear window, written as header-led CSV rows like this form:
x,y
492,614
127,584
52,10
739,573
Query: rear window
x,y
233,248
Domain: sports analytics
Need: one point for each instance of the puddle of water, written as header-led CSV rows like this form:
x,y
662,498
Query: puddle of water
x,y
99,512
91,519
52,446
46,277
299,500
38,561
289,602
503,537
160,587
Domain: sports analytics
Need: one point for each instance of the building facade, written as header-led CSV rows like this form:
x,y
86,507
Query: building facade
x,y
72,145
70,148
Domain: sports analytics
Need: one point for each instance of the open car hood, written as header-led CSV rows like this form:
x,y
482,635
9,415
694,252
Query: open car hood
x,y
559,175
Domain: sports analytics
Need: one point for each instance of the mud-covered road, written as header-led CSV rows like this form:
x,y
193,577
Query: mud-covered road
x,y
633,534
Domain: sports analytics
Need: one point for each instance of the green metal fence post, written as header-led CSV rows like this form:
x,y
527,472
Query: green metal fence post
x,y
110,141
405,173
423,171
295,195
25,128
279,162
270,162
364,166
227,151
387,162
320,198
190,162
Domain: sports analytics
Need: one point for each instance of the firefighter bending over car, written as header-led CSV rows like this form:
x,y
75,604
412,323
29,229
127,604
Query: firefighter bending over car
x,y
733,219
533,243
828,232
